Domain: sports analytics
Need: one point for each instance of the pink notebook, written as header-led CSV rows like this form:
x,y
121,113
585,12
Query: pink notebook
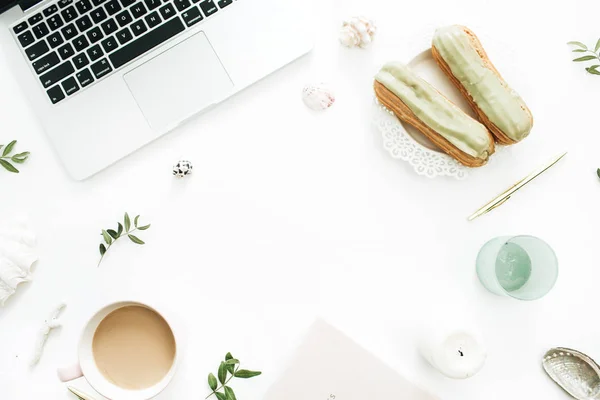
x,y
330,366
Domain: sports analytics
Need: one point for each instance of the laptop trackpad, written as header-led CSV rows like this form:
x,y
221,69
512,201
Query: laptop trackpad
x,y
179,82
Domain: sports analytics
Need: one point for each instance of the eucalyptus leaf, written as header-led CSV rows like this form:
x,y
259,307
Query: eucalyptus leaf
x,y
135,239
597,45
135,220
575,43
111,235
578,51
127,222
229,393
598,172
24,154
143,228
228,356
106,237
222,373
594,66
17,160
8,166
8,148
246,374
585,58
592,71
220,396
212,382
232,361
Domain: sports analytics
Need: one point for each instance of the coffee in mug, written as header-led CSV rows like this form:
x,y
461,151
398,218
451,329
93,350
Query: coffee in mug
x,y
134,347
128,351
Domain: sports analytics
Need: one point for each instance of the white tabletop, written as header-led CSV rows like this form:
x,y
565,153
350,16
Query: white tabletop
x,y
292,214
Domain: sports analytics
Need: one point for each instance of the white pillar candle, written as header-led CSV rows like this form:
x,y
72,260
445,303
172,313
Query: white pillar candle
x,y
458,353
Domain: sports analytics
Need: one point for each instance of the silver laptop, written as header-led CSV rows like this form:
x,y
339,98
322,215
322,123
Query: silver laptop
x,y
108,76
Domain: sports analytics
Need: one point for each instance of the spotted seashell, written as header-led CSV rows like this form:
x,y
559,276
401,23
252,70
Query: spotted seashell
x,y
182,168
357,32
317,97
573,371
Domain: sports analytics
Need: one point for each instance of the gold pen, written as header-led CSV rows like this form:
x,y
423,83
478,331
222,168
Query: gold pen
x,y
502,198
79,394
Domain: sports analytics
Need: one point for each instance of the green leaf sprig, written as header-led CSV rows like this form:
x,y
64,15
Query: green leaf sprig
x,y
598,172
228,369
6,158
592,55
110,236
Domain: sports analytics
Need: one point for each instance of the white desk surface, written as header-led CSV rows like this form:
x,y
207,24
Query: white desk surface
x,y
291,215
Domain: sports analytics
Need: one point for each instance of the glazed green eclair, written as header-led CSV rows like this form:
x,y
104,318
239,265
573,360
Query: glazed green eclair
x,y
415,101
461,56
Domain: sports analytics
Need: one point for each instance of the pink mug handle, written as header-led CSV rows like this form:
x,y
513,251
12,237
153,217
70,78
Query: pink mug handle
x,y
70,372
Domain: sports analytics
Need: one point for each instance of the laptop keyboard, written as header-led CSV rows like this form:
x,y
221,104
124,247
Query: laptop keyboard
x,y
72,44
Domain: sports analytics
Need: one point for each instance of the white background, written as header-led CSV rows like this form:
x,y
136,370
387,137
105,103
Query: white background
x,y
292,214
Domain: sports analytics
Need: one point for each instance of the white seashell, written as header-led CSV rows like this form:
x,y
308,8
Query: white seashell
x,y
357,32
17,255
318,97
574,371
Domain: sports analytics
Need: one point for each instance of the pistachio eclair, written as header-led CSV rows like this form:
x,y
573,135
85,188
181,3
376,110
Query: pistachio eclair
x,y
416,102
460,55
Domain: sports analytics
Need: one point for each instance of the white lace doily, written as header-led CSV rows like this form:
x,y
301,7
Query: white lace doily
x,y
401,145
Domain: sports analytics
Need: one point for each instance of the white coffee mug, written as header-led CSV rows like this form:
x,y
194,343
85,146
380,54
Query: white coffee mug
x,y
87,366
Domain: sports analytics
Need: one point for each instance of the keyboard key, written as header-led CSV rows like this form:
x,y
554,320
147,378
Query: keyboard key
x,y
95,34
95,52
192,16
138,27
112,7
152,19
80,43
167,11
85,77
109,26
208,7
57,74
50,10
55,40
26,39
66,51
152,4
55,22
83,6
20,28
69,13
124,36
109,44
224,3
56,94
64,3
84,23
46,62
96,3
70,86
35,19
127,3
37,50
123,18
146,42
69,31
182,4
101,68
40,30
98,15
138,9
80,60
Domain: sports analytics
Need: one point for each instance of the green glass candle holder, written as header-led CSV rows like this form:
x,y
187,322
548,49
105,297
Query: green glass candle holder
x,y
523,267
